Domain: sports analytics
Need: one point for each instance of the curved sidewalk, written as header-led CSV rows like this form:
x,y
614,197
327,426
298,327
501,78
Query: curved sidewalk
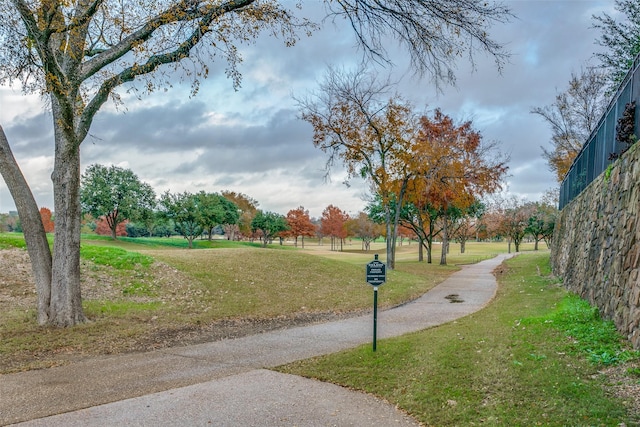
x,y
225,383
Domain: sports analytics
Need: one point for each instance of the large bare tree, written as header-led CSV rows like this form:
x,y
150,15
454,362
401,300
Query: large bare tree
x,y
79,52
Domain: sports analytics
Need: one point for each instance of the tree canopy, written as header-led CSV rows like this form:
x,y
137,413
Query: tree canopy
x,y
453,168
216,210
365,229
247,207
182,209
269,224
300,224
334,224
47,219
115,193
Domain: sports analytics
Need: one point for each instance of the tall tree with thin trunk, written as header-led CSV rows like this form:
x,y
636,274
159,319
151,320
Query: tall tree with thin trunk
x,y
355,121
79,53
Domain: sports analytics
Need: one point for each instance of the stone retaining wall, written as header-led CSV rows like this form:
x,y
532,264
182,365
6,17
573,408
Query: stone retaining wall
x,y
596,244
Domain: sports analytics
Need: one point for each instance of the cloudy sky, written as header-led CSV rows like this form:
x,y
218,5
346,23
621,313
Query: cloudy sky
x,y
251,141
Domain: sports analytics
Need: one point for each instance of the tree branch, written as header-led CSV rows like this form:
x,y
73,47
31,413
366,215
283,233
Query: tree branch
x,y
178,12
130,73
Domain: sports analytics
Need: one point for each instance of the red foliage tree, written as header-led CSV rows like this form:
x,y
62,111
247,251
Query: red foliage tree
x,y
47,222
333,224
103,228
300,224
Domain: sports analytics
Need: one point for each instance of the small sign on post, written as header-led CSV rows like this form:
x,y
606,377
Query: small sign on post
x,y
376,272
376,276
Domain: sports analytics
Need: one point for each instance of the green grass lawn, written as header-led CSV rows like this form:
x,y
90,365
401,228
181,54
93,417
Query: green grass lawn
x,y
530,358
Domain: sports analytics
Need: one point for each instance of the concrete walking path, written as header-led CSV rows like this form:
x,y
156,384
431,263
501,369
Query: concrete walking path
x,y
226,383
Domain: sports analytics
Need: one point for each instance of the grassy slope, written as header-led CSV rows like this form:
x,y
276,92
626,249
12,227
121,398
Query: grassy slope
x,y
128,298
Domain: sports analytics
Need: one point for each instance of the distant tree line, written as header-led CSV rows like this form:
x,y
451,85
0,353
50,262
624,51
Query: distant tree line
x,y
116,203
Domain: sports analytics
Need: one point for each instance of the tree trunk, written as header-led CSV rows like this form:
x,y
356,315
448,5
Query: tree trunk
x,y
445,243
420,249
389,239
66,300
392,229
34,234
112,221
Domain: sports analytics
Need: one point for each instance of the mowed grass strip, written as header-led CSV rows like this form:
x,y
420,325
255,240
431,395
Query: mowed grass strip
x,y
509,364
263,283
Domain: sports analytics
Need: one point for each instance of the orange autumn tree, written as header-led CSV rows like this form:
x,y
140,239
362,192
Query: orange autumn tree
x,y
47,222
333,224
300,224
370,132
454,167
364,228
248,207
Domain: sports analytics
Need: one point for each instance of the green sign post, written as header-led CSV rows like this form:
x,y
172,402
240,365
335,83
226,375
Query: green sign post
x,y
376,276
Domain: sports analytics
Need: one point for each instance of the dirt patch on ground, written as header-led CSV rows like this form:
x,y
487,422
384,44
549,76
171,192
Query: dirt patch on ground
x,y
16,282
228,329
624,382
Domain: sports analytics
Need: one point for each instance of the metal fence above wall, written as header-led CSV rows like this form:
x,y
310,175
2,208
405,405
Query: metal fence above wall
x,y
596,154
